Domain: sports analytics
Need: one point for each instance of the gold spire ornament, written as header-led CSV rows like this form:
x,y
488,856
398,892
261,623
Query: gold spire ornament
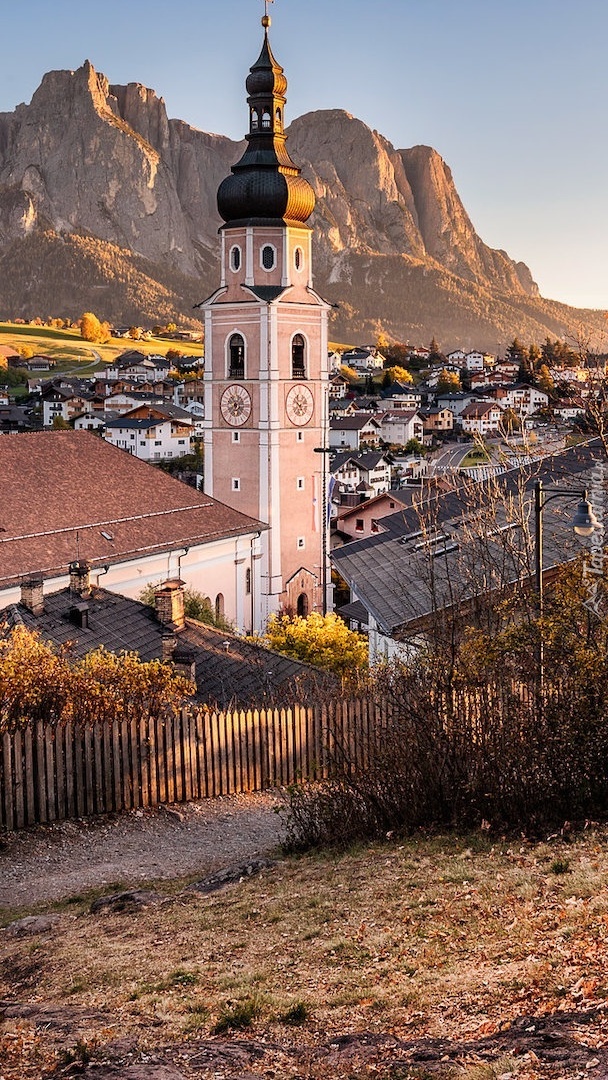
x,y
266,20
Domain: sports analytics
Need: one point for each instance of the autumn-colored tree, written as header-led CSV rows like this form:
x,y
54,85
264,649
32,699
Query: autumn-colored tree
x,y
544,380
399,374
39,682
448,381
322,640
91,329
135,332
60,424
25,351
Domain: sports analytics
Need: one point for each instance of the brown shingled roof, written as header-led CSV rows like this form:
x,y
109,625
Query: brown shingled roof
x,y
62,489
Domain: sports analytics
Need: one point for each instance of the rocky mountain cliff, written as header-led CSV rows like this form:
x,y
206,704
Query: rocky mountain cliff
x,y
107,204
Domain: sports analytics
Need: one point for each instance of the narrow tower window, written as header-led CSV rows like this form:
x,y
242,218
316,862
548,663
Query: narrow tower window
x,y
298,370
266,123
237,357
279,119
268,257
235,258
254,119
298,258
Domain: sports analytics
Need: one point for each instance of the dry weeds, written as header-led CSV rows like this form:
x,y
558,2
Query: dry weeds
x,y
439,939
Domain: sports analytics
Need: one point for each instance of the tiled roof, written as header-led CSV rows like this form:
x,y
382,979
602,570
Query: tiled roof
x,y
61,489
229,670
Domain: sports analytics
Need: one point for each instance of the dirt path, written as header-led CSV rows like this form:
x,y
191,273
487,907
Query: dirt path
x,y
57,861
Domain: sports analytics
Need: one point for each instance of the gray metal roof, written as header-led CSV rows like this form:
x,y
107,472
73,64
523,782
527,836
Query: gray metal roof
x,y
401,579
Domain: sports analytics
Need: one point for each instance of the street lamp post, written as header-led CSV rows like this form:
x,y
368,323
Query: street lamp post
x,y
583,523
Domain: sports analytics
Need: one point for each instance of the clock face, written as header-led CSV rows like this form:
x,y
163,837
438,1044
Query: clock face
x,y
299,405
235,405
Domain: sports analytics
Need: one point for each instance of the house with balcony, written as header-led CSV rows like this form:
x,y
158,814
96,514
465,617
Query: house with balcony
x,y
436,420
481,418
136,365
353,432
152,433
398,428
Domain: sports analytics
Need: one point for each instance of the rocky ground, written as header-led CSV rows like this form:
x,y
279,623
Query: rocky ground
x,y
54,862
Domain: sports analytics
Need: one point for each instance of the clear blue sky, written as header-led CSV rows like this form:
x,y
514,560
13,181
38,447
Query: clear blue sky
x,y
512,94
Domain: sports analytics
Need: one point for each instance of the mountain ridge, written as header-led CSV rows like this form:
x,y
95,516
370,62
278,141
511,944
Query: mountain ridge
x,y
106,203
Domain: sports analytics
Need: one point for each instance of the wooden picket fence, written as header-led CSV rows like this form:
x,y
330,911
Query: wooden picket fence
x,y
52,773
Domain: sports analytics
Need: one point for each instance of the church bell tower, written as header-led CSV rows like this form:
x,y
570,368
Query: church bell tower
x,y
266,368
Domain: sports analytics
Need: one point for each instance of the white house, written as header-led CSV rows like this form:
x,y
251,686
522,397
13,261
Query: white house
x,y
525,400
481,417
152,433
137,366
350,432
365,358
398,428
71,497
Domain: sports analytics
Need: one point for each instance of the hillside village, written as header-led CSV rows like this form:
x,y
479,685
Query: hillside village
x,y
273,475
363,584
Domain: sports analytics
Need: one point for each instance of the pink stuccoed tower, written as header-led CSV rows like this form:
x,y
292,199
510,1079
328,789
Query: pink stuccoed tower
x,y
266,369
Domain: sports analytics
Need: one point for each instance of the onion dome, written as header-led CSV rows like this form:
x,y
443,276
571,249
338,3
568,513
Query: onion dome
x,y
265,187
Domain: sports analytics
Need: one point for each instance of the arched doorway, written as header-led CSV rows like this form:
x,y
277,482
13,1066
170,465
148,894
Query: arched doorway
x,y
302,606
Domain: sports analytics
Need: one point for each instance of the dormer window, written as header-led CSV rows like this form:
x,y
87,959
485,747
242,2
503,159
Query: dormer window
x,y
298,369
236,347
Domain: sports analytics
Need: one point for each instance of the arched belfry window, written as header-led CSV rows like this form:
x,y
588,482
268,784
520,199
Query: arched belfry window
x,y
266,120
255,120
236,357
298,365
279,119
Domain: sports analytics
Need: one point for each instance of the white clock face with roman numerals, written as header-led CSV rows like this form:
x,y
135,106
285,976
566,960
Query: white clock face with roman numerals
x,y
235,405
299,405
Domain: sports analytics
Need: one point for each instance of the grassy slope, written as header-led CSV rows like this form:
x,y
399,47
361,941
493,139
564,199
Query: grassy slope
x,y
71,352
447,937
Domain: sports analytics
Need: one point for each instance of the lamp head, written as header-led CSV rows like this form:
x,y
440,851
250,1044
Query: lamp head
x,y
584,521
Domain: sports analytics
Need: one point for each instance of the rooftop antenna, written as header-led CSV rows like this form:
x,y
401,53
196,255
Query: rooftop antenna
x,y
266,20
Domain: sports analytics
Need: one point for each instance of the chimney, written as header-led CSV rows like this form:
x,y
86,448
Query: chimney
x,y
184,661
168,644
79,579
32,595
79,616
169,604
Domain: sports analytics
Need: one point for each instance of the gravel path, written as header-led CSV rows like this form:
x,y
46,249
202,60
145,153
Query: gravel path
x,y
57,861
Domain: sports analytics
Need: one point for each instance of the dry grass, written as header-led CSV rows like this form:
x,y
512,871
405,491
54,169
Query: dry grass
x,y
442,938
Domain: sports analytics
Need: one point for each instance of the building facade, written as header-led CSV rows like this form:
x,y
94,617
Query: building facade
x,y
266,356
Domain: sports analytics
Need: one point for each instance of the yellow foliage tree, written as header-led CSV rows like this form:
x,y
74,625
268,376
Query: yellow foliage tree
x,y
322,640
91,329
399,374
38,682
